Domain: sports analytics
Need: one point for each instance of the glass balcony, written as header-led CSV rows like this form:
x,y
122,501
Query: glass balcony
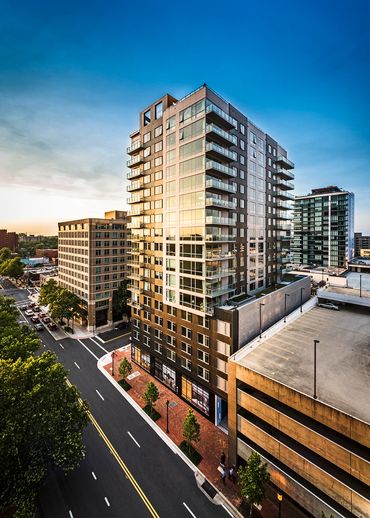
x,y
135,186
217,115
219,152
135,199
284,184
216,220
135,146
282,214
218,185
219,135
284,162
136,211
219,272
219,255
136,160
285,174
285,195
283,226
218,202
216,291
135,173
216,237
211,165
136,224
284,205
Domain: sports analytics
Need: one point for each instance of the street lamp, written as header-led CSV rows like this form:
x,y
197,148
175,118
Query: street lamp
x,y
261,304
302,290
360,285
113,356
286,296
315,342
280,499
167,403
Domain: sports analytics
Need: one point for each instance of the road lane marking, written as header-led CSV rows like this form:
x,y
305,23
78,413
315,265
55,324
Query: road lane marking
x,y
78,367
96,343
96,358
226,509
122,465
93,474
190,511
133,438
100,340
97,391
70,514
107,501
61,346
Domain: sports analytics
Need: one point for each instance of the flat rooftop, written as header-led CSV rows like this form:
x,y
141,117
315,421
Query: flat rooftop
x,y
343,358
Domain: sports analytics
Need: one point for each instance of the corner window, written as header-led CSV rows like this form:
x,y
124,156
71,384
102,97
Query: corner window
x,y
146,117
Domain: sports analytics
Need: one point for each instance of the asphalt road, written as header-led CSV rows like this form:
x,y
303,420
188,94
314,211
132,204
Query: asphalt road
x,y
138,475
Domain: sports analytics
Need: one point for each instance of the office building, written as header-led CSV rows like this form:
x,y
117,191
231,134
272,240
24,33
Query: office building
x,y
210,220
314,436
8,240
361,243
323,228
92,256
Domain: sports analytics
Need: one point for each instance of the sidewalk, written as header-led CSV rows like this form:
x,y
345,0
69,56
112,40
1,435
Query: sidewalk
x,y
213,441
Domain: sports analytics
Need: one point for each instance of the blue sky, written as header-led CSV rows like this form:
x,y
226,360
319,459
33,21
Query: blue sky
x,y
74,75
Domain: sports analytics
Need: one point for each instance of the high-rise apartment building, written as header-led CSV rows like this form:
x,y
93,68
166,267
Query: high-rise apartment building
x,y
324,228
92,256
361,243
8,240
210,220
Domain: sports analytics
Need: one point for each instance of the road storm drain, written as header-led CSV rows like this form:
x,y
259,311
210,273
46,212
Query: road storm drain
x,y
210,490
172,404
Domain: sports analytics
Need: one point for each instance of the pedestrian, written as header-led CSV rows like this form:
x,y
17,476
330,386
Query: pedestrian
x,y
232,473
223,476
223,459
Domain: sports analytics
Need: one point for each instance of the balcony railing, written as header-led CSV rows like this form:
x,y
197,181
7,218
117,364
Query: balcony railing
x,y
219,290
135,146
223,136
135,186
216,220
213,183
135,199
219,272
216,237
284,173
221,116
135,161
221,168
222,152
284,162
218,202
285,195
284,184
221,255
135,173
134,303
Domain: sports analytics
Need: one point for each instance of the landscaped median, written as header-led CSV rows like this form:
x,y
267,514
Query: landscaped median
x,y
172,412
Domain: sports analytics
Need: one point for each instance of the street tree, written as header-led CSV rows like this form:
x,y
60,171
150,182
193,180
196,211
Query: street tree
x,y
150,396
5,254
120,301
48,292
65,305
191,429
252,479
12,268
125,368
41,423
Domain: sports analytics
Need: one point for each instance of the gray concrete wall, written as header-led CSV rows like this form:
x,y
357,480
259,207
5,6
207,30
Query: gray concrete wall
x,y
273,309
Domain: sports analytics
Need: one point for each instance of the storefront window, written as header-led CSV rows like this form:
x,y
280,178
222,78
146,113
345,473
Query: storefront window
x,y
196,394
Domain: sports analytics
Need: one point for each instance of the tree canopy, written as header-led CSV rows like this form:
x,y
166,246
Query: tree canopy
x,y
252,479
62,303
191,428
28,249
5,253
151,395
12,268
125,368
41,418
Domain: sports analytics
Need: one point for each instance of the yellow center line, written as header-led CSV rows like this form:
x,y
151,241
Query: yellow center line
x,y
123,466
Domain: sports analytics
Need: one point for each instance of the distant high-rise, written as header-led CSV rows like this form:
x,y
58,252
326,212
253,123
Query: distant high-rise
x,y
361,243
324,228
8,240
93,262
210,220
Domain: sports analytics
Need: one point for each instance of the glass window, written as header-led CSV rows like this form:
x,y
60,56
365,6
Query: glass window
x,y
158,161
158,146
158,110
196,394
171,139
146,137
191,166
158,131
171,122
192,111
193,130
197,146
146,117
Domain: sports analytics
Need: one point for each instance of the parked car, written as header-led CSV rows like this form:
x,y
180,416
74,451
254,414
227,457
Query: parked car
x,y
31,305
28,313
35,319
42,314
328,305
52,326
39,327
37,309
46,320
24,307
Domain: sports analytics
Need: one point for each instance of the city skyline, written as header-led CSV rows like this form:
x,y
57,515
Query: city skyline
x,y
73,81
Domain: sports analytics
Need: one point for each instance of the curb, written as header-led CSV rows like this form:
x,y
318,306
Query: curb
x,y
227,505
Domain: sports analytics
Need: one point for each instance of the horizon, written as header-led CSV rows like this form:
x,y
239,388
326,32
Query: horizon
x,y
72,86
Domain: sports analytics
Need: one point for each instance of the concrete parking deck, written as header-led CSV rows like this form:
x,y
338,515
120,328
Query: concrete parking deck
x,y
343,358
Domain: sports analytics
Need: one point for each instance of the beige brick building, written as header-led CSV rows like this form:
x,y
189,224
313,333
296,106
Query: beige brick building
x,y
93,262
317,448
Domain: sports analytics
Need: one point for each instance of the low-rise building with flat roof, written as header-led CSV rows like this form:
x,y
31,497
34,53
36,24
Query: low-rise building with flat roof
x,y
315,437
